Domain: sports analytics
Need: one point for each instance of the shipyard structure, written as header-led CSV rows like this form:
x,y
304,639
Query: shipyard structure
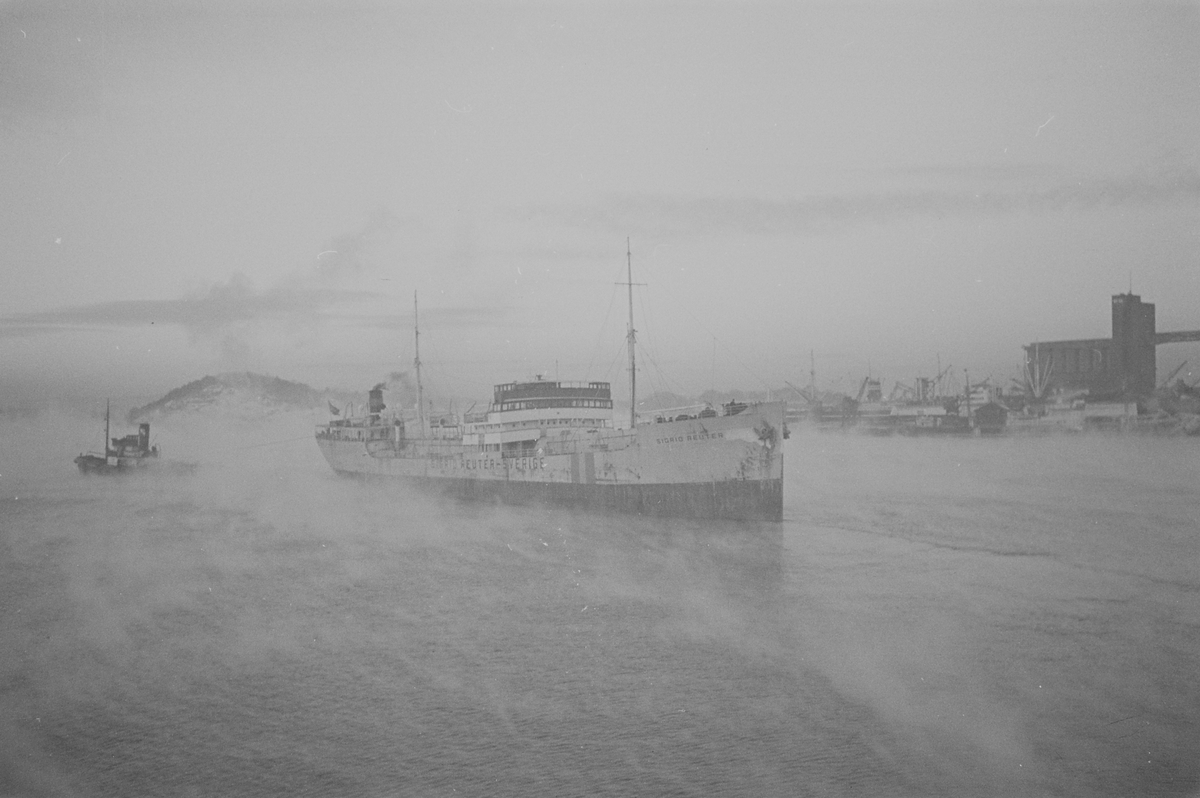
x,y
1121,366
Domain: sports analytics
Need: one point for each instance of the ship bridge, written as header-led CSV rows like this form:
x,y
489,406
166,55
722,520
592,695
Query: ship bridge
x,y
551,393
523,412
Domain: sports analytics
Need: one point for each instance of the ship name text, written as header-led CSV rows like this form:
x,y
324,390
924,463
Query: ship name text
x,y
699,436
494,464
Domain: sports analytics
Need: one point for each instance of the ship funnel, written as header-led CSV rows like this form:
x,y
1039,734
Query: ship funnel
x,y
375,403
144,436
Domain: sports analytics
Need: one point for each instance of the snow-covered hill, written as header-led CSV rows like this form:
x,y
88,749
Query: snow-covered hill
x,y
242,392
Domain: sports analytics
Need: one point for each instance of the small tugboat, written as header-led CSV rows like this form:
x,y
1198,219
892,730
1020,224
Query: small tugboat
x,y
120,454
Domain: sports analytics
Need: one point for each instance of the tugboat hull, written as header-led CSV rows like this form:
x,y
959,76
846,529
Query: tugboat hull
x,y
95,464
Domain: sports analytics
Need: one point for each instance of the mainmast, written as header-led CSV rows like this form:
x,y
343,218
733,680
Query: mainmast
x,y
812,376
106,444
632,336
417,366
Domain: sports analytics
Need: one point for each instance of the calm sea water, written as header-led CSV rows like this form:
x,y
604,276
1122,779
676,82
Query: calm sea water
x,y
959,618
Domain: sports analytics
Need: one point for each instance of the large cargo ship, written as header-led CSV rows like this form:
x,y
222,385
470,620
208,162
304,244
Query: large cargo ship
x,y
555,441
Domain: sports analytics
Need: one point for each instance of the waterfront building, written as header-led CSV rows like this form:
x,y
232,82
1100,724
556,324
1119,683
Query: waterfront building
x,y
1123,365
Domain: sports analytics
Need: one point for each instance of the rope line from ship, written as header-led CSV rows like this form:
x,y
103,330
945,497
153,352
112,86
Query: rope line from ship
x,y
730,352
642,346
603,329
647,350
647,346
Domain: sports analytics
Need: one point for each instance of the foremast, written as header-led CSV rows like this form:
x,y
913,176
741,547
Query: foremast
x,y
417,366
631,338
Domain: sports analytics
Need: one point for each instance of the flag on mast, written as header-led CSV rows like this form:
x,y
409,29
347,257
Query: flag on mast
x,y
333,409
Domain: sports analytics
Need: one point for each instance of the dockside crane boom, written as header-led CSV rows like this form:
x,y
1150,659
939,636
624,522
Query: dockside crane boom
x,y
862,388
1171,376
804,394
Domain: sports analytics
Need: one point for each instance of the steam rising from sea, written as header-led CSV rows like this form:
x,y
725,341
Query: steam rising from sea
x,y
966,617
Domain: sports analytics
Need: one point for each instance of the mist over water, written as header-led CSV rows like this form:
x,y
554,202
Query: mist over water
x,y
960,617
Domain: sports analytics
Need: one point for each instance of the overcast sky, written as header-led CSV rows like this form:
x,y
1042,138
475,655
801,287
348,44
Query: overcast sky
x,y
194,187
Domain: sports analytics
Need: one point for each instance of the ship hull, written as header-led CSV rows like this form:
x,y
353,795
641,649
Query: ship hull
x,y
94,464
758,500
91,464
727,467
